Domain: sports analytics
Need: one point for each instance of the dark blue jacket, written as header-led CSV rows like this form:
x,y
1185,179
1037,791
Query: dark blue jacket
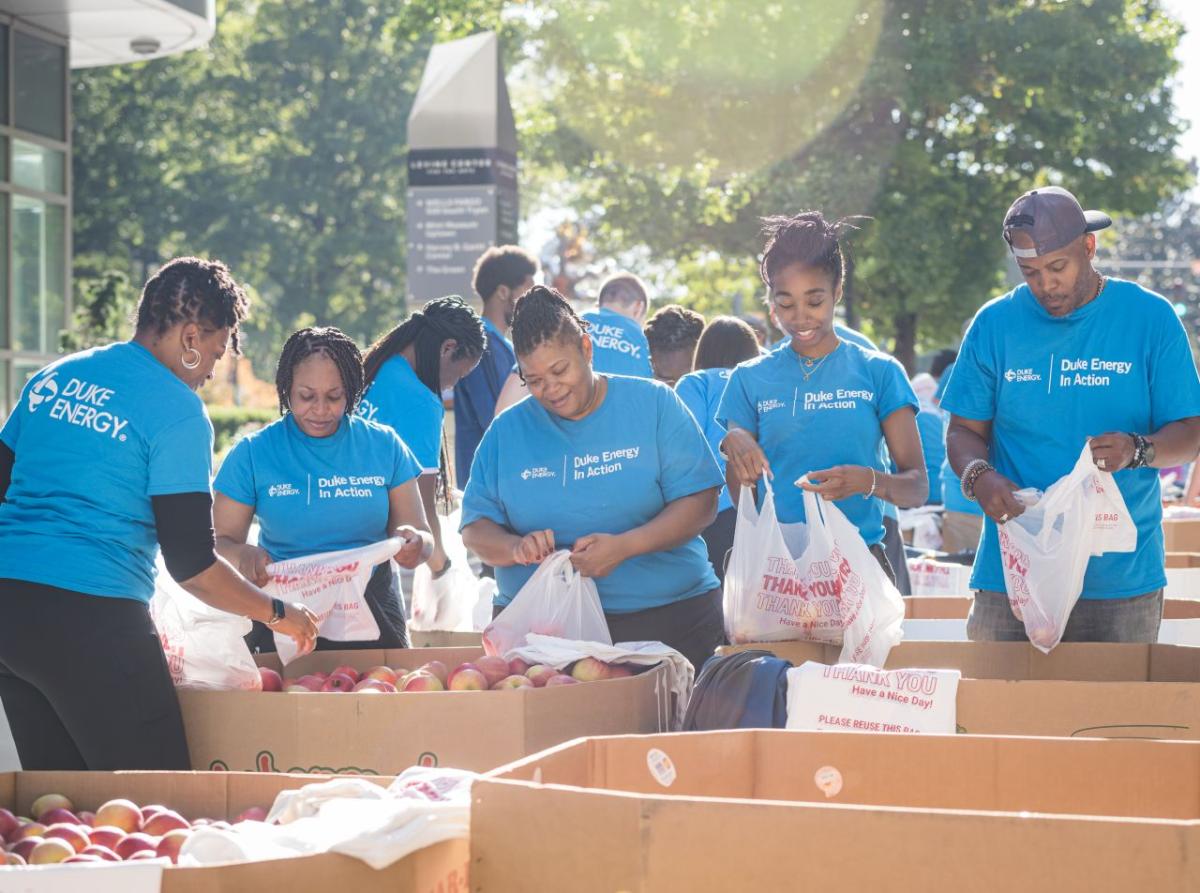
x,y
475,398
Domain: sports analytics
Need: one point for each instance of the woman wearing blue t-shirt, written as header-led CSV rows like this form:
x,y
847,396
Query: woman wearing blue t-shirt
x,y
819,405
613,468
725,342
322,479
107,456
407,370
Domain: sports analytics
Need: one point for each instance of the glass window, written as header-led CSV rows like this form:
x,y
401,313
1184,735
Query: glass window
x,y
39,274
4,84
195,7
3,274
6,401
36,167
23,370
39,81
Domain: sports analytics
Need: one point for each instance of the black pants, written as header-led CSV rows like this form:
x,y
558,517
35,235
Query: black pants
x,y
694,627
893,545
383,598
84,682
718,537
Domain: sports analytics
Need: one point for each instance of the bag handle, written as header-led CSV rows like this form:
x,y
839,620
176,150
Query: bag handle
x,y
814,512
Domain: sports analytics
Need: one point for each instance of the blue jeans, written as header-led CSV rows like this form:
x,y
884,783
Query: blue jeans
x,y
1134,619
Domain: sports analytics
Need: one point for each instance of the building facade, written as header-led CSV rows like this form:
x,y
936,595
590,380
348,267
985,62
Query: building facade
x,y
40,42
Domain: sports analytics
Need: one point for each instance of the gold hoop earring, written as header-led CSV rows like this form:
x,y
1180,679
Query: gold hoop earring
x,y
192,365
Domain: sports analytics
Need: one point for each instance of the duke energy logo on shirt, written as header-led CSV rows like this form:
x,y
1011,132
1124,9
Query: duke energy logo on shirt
x,y
78,403
613,338
838,398
537,473
604,462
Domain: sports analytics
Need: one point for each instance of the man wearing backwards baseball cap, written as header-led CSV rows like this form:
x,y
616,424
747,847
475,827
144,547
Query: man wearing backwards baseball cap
x,y
1068,357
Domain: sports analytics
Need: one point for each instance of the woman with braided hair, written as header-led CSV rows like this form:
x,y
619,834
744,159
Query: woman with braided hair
x,y
107,457
672,333
613,468
820,405
323,479
406,372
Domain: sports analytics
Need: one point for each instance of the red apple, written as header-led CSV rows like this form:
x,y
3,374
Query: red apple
x,y
468,679
460,668
377,685
160,823
540,674
493,668
383,674
347,671
438,669
518,666
271,681
25,845
12,859
512,682
135,843
253,814
82,857
47,802
103,852
123,814
619,671
75,835
107,836
59,816
589,669
338,682
422,681
561,679
51,850
142,854
8,824
29,829
87,818
312,681
171,843
299,689
221,824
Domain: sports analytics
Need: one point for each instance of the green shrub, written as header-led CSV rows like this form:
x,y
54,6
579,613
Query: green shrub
x,y
230,422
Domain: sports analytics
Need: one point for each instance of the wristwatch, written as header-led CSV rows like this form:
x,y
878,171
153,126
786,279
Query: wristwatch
x,y
278,609
1143,452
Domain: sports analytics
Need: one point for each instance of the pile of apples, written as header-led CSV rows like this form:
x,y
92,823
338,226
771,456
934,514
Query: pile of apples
x,y
481,674
119,831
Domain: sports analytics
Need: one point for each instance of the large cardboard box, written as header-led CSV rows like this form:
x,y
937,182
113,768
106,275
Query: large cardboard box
x,y
1182,535
222,795
1077,690
442,638
385,734
774,810
957,607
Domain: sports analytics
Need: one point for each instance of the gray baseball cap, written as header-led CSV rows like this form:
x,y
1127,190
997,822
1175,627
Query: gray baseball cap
x,y
1052,218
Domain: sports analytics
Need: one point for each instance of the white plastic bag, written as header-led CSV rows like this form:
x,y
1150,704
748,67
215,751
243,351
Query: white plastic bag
x,y
333,586
449,603
556,601
205,647
815,581
1046,549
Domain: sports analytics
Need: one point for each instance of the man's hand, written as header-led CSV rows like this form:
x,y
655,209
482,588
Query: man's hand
x,y
1112,451
994,492
598,554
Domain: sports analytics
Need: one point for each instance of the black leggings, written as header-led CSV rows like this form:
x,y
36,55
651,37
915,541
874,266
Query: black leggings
x,y
84,682
383,598
718,537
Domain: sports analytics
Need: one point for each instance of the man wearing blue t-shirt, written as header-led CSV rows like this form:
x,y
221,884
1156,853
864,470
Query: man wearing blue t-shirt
x,y
1071,357
618,345
502,274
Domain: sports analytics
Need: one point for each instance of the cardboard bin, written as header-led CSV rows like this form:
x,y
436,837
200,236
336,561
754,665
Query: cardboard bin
x,y
373,734
223,795
777,810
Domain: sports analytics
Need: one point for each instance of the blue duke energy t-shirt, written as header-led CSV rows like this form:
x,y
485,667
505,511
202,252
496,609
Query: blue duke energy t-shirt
x,y
619,347
701,393
96,435
317,494
1119,363
835,417
400,400
610,472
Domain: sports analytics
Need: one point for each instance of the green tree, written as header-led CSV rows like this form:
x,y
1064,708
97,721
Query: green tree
x,y
682,125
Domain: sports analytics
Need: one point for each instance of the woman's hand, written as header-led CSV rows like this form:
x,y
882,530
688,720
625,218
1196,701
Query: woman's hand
x,y
300,624
534,548
994,493
745,457
252,564
598,554
417,546
839,482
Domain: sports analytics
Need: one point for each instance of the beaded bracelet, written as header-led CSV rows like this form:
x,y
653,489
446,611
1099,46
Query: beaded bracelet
x,y
975,469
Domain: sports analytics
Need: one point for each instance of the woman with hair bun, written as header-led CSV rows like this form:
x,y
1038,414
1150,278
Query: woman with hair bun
x,y
107,457
405,373
613,468
322,479
820,405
